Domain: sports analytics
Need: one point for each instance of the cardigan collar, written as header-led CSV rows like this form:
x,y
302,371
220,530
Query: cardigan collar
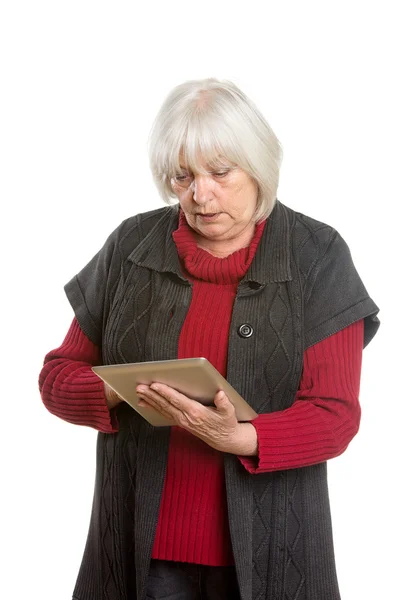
x,y
271,263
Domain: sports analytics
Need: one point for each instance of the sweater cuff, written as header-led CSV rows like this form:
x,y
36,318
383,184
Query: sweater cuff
x,y
270,445
253,463
76,394
298,437
90,407
109,424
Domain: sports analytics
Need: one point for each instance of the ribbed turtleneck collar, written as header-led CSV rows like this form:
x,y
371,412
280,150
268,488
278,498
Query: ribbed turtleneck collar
x,y
200,264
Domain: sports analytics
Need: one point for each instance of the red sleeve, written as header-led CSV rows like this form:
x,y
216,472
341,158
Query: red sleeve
x,y
325,415
68,387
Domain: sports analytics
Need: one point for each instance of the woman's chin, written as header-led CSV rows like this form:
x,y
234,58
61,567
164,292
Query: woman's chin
x,y
211,228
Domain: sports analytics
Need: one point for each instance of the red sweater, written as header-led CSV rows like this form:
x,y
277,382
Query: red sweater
x,y
193,524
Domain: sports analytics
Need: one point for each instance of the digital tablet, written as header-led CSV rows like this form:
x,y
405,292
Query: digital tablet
x,y
197,378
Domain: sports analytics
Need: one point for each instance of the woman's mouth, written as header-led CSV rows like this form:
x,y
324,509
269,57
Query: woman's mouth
x,y
208,216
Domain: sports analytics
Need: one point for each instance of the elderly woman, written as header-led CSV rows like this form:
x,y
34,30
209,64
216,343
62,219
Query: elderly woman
x,y
210,507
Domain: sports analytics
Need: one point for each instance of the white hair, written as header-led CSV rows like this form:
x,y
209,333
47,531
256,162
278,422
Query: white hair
x,y
214,122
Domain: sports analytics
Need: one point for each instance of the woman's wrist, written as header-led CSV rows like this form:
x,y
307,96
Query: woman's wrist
x,y
246,440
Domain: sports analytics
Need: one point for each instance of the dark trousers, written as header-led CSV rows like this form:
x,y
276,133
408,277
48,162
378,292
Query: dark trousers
x,y
185,581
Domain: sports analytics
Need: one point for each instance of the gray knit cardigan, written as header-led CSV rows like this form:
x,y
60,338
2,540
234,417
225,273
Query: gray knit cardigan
x,y
131,300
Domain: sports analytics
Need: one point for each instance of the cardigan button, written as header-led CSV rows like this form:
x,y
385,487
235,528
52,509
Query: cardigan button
x,y
245,330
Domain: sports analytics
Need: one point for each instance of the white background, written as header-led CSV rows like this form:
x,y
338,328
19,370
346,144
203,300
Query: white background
x,y
81,83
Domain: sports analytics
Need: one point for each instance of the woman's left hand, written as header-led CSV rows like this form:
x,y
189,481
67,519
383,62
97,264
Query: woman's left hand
x,y
218,427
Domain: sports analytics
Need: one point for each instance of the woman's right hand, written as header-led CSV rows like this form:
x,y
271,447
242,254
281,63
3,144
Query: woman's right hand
x,y
111,397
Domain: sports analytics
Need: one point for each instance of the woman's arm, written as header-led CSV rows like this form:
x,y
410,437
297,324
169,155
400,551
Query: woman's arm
x,y
326,413
70,390
319,425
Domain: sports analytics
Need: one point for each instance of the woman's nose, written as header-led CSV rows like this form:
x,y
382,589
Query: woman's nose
x,y
202,189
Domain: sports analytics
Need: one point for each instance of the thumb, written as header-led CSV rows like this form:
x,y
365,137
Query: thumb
x,y
222,402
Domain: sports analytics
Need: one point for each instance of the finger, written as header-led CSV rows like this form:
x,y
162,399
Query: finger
x,y
157,401
177,399
141,388
188,413
152,398
223,404
142,403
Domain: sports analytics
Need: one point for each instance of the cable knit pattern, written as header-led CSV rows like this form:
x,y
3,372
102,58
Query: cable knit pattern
x,y
193,524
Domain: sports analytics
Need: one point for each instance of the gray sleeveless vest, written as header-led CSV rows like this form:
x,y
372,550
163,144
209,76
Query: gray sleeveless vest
x,y
132,300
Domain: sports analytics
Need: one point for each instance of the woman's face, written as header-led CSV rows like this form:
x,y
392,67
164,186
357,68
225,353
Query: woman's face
x,y
219,206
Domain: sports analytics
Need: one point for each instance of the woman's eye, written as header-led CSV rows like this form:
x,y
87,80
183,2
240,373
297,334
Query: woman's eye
x,y
182,178
220,173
